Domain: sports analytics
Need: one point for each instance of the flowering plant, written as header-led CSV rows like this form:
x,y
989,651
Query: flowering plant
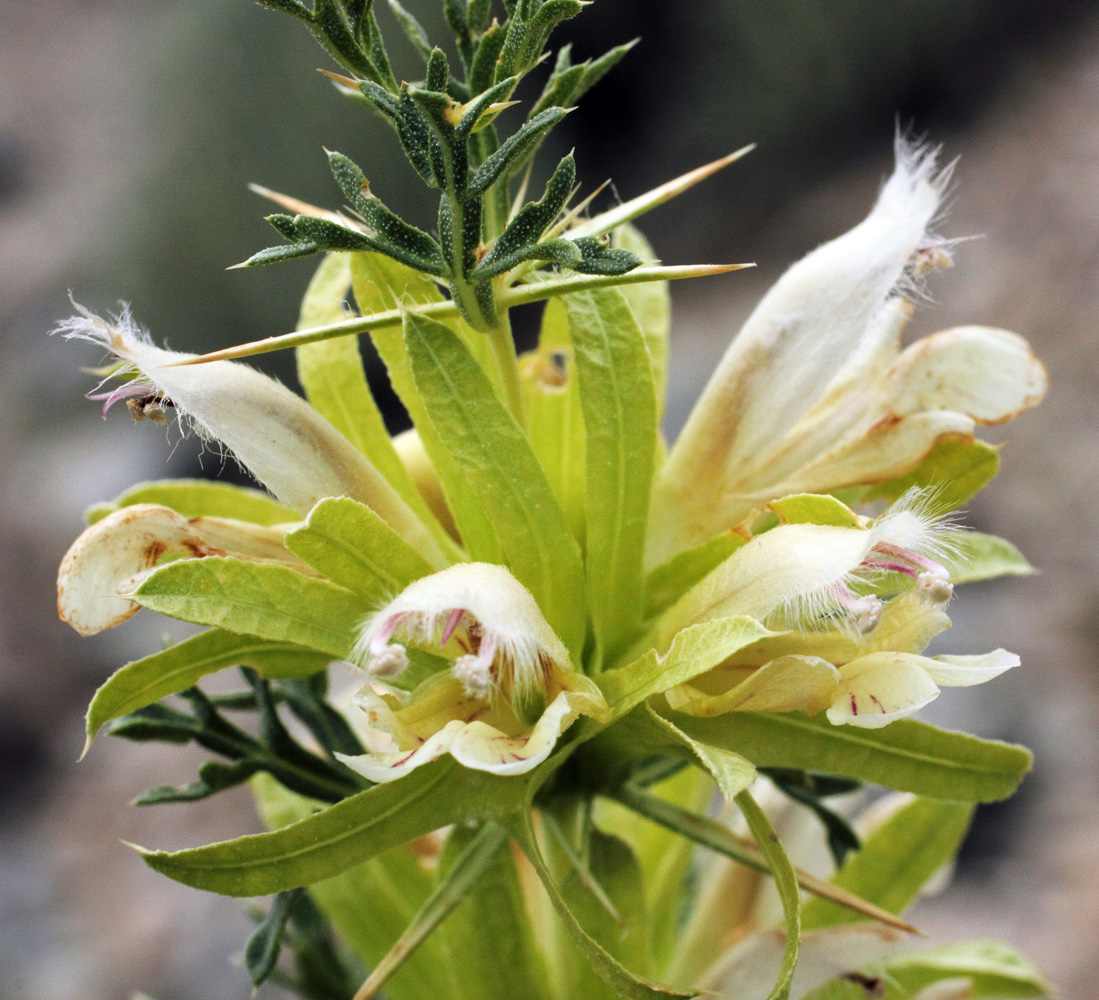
x,y
570,635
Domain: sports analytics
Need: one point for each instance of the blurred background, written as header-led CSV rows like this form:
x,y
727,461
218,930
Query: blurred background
x,y
128,131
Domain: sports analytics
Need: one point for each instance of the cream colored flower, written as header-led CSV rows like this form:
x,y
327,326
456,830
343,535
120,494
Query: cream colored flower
x,y
506,697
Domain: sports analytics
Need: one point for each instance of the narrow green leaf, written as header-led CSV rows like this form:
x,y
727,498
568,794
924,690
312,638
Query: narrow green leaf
x,y
146,681
786,883
671,580
732,772
992,968
897,859
345,834
620,420
262,950
383,284
909,756
502,472
331,373
555,421
977,556
695,650
813,508
201,498
620,979
413,30
514,151
491,931
954,470
709,833
353,547
371,903
651,305
452,888
260,599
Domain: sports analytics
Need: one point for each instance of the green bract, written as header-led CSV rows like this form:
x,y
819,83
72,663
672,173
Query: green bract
x,y
569,635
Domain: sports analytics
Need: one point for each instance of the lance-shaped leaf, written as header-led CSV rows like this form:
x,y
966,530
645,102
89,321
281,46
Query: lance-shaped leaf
x,y
514,150
992,969
454,885
260,599
353,547
978,556
146,681
711,834
694,651
414,31
598,258
345,834
482,70
405,242
529,223
897,859
407,122
503,474
907,755
199,498
620,979
620,430
381,284
786,883
555,420
331,373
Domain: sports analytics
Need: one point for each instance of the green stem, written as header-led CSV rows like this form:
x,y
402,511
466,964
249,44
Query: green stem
x,y
507,362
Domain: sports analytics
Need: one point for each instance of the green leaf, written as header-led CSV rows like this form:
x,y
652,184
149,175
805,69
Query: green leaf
x,y
555,421
200,498
909,756
413,30
786,883
262,950
671,580
732,772
514,151
454,884
383,284
651,305
993,969
897,859
694,650
146,681
620,979
620,421
347,542
345,834
598,258
955,469
502,472
624,930
490,930
813,508
331,373
260,599
370,903
977,556
709,833
213,777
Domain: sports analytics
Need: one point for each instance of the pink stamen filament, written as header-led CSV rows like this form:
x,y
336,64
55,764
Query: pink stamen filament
x,y
380,639
451,625
124,391
891,567
913,558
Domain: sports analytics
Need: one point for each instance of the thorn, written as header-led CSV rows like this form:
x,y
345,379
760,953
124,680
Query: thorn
x,y
345,81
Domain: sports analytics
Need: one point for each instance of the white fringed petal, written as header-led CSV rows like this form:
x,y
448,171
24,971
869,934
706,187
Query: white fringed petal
x,y
285,443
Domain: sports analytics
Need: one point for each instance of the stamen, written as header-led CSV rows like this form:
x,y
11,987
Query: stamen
x,y
451,625
475,672
929,566
864,612
387,659
112,396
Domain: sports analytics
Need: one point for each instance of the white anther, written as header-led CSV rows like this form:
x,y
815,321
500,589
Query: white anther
x,y
475,675
389,661
935,586
865,612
